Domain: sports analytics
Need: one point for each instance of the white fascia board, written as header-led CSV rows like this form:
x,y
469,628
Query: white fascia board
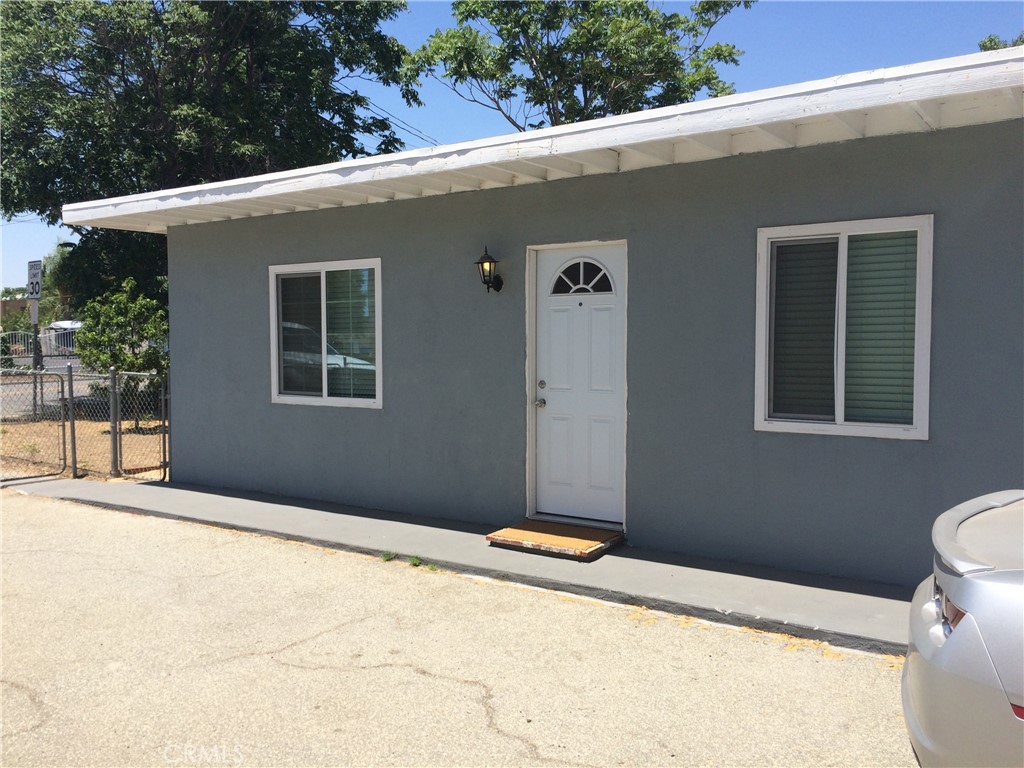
x,y
854,93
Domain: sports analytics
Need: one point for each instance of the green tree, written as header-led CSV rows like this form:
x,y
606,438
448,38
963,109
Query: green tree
x,y
125,330
103,258
103,99
15,321
548,63
995,42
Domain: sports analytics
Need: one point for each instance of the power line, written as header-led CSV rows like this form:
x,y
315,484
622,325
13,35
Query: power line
x,y
402,124
14,221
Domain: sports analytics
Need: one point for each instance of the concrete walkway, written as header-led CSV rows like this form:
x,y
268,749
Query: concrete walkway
x,y
870,617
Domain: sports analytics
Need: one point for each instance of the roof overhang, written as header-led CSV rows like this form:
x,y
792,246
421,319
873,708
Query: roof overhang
x,y
919,98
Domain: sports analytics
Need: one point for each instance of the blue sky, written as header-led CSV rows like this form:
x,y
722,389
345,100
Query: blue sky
x,y
784,43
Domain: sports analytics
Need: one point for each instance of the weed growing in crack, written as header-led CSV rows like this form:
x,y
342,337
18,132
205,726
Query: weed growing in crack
x,y
387,557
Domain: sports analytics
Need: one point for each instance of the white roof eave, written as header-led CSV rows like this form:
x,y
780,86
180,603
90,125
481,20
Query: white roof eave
x,y
966,90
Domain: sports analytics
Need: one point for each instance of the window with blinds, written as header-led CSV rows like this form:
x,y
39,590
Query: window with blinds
x,y
326,331
844,327
881,288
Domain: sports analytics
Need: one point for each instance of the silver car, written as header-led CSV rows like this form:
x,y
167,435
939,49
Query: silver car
x,y
963,681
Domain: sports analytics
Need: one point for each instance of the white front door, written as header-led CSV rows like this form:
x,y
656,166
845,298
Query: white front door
x,y
580,382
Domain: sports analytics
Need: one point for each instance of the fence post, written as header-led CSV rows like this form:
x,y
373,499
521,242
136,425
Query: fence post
x,y
37,348
165,429
115,425
71,420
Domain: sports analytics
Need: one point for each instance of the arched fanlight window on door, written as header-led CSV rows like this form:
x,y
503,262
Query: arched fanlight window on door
x,y
582,276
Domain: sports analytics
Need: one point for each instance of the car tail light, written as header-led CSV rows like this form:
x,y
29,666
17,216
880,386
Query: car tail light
x,y
1018,710
951,612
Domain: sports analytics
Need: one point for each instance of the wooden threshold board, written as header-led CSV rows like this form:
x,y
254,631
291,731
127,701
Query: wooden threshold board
x,y
575,541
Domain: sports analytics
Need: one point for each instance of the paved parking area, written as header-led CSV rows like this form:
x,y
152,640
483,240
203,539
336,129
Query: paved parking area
x,y
133,640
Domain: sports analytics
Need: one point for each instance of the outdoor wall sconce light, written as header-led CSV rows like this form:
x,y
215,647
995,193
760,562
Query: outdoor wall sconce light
x,y
488,273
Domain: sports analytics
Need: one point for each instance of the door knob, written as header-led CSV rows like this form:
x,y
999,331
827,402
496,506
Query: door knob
x,y
540,403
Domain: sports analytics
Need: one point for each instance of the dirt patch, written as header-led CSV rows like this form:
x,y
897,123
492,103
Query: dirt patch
x,y
29,448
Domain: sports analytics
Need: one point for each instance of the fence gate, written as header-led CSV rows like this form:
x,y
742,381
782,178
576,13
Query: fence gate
x,y
112,424
142,427
33,436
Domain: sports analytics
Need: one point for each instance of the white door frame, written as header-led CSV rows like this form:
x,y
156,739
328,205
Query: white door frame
x,y
531,371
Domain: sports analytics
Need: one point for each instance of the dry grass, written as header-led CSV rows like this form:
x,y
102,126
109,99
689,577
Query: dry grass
x,y
34,448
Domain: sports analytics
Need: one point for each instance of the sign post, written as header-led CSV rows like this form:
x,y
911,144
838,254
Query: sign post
x,y
35,292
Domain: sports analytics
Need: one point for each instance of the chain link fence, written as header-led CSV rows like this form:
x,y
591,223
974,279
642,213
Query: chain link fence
x,y
142,433
86,424
32,425
93,447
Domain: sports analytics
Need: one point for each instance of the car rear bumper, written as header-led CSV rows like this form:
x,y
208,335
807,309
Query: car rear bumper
x,y
954,706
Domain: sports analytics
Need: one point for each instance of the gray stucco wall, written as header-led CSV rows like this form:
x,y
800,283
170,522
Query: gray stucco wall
x,y
450,440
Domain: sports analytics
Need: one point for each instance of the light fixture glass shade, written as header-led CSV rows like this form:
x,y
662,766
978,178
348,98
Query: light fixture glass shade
x,y
488,274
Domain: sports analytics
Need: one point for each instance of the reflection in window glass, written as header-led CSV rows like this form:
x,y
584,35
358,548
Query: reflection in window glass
x,y
300,349
351,333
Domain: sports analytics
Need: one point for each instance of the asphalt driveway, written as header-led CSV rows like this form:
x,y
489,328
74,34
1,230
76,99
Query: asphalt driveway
x,y
132,640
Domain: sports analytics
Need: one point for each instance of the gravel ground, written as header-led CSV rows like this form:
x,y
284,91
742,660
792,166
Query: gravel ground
x,y
132,640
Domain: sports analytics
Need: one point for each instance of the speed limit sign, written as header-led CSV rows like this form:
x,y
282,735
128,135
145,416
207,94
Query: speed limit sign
x,y
35,280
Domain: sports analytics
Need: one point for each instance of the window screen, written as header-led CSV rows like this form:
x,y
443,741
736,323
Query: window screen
x,y
881,288
326,331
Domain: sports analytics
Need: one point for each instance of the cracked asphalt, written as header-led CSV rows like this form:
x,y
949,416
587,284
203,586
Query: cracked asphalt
x,y
132,640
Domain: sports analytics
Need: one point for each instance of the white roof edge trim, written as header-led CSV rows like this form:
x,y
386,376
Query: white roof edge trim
x,y
973,73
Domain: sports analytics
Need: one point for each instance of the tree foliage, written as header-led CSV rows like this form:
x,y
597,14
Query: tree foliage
x,y
103,99
101,260
548,63
125,330
995,42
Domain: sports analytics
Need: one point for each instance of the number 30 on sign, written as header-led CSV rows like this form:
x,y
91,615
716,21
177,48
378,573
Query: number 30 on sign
x,y
35,280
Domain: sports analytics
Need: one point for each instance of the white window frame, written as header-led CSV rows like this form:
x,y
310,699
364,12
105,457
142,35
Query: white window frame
x,y
766,237
322,267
